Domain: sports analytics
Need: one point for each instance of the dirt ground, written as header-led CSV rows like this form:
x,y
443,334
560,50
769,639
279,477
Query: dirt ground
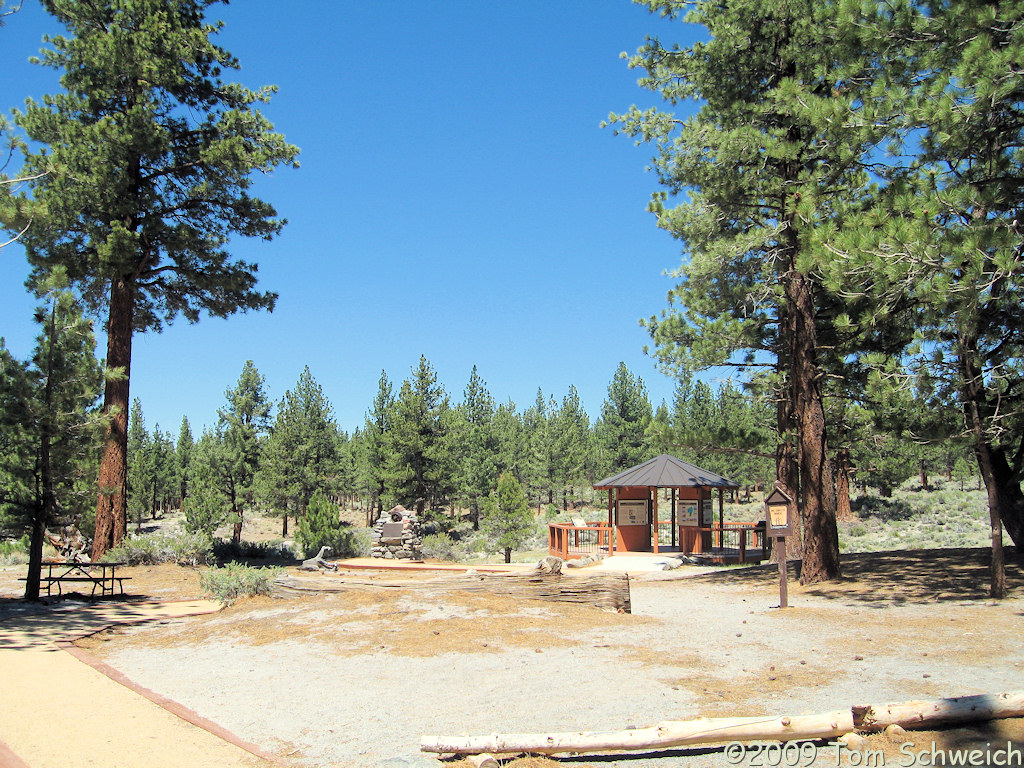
x,y
355,678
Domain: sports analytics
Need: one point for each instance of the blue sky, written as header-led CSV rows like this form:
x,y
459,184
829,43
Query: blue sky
x,y
457,199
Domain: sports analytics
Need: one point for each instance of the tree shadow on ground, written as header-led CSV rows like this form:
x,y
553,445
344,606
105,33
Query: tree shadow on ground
x,y
885,578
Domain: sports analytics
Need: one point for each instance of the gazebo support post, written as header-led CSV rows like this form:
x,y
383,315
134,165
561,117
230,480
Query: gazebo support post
x,y
674,523
721,517
654,528
611,522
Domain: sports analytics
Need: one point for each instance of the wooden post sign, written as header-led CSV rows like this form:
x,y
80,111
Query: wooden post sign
x,y
780,518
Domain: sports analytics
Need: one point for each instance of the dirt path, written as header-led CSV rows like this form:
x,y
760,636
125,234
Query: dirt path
x,y
59,710
353,679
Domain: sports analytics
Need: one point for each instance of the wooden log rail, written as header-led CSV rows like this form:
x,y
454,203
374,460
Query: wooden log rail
x,y
739,537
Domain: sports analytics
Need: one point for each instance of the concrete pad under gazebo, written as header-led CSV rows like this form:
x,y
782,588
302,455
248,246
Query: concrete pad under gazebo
x,y
635,522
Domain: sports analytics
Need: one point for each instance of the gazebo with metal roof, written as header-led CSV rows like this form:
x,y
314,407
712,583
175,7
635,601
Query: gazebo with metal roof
x,y
634,524
633,513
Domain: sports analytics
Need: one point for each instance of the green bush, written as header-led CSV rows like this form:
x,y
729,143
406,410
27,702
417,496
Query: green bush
x,y
204,509
440,546
353,542
915,519
14,552
321,527
227,551
506,517
156,548
233,581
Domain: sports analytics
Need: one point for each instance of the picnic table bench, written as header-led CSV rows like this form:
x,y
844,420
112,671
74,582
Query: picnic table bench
x,y
100,575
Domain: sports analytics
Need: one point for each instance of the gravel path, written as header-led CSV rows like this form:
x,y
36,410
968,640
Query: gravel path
x,y
691,648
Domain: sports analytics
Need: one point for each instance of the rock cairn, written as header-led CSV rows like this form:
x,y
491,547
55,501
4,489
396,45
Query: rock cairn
x,y
396,535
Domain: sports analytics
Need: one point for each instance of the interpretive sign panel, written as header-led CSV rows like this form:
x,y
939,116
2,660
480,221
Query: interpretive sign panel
x,y
780,517
707,513
687,514
634,512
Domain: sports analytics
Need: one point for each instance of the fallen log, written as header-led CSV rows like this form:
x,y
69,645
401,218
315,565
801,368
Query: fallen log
x,y
909,715
924,715
664,735
609,591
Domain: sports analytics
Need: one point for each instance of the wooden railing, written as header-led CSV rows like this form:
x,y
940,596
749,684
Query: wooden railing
x,y
568,541
732,541
738,538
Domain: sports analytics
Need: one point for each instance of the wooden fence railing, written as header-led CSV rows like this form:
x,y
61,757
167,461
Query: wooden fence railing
x,y
735,538
568,540
733,541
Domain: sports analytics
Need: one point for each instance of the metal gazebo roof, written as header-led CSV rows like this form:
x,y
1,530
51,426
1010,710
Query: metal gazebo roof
x,y
665,472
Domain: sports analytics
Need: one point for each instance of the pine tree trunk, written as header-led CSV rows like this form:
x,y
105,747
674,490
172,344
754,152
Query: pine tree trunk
x,y
843,510
820,553
284,527
236,529
975,410
35,556
997,572
45,502
1010,498
44,507
112,499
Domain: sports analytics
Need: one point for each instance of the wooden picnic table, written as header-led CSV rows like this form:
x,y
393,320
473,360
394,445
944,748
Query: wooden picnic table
x,y
101,575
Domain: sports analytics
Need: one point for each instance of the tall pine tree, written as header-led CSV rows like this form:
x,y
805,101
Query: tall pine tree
x,y
417,459
762,164
625,415
56,419
242,425
142,179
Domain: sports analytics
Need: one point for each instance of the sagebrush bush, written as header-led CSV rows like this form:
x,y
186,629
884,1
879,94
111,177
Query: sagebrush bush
x,y
232,581
441,546
14,552
155,548
915,519
226,551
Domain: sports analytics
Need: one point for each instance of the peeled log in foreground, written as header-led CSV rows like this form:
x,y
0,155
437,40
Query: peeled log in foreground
x,y
910,715
662,736
933,714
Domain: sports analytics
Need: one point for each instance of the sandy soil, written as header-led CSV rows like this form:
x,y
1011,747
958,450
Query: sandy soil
x,y
355,678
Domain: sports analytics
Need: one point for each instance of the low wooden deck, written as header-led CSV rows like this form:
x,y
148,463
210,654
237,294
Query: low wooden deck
x,y
729,544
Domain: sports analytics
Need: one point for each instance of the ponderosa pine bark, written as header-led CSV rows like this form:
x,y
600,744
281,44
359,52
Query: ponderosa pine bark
x,y
843,469
112,498
976,415
820,547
